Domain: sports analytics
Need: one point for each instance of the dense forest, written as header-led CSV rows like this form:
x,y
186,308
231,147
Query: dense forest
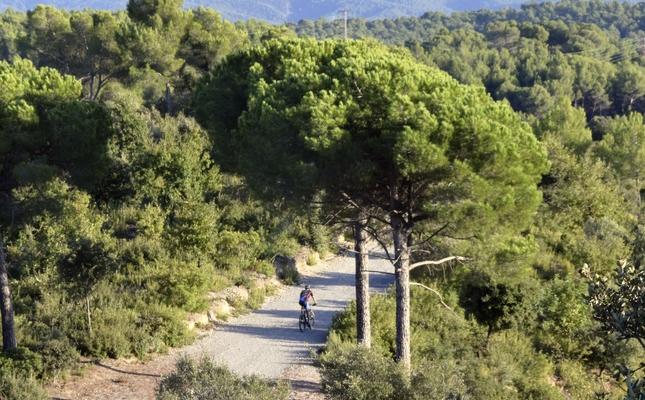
x,y
151,155
280,11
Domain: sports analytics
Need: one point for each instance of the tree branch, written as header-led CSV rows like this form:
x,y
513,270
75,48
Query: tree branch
x,y
435,233
435,292
443,260
374,236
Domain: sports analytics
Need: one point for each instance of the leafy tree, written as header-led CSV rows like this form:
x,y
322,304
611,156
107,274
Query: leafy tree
x,y
567,125
499,305
209,39
97,57
156,13
50,35
618,305
86,265
44,130
623,147
428,164
628,87
11,29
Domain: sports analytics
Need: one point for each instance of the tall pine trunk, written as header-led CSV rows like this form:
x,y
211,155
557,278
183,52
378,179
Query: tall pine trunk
x,y
402,275
89,314
8,329
363,328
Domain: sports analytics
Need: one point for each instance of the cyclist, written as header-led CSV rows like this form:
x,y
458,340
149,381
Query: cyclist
x,y
305,295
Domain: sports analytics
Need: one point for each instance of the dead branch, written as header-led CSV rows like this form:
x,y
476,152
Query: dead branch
x,y
437,262
435,292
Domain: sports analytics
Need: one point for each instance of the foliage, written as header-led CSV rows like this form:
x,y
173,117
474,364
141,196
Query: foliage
x,y
497,305
618,306
57,354
206,380
356,372
289,274
13,388
123,171
20,362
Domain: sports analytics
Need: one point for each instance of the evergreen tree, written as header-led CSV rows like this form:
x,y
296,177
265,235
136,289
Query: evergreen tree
x,y
368,123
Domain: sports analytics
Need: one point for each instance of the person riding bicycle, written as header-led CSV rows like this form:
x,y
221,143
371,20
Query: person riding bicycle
x,y
305,295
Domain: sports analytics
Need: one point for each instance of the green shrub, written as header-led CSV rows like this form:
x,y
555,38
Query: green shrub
x,y
565,319
164,323
311,258
57,353
256,298
320,238
13,388
264,267
208,381
142,344
351,372
499,305
107,342
578,383
239,305
184,285
20,362
382,311
514,363
438,381
290,275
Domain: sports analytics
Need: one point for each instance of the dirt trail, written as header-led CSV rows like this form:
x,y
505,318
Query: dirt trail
x,y
266,342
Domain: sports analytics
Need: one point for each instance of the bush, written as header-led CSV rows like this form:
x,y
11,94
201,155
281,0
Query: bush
x,y
565,318
184,285
208,381
578,383
499,305
164,323
57,353
290,275
438,381
13,388
312,259
382,311
20,362
256,298
351,372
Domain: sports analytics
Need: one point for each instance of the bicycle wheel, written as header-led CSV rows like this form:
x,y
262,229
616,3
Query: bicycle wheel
x,y
302,323
312,319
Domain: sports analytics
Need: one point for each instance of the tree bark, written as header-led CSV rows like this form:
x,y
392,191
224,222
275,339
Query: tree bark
x,y
402,275
8,329
363,328
92,84
89,315
168,100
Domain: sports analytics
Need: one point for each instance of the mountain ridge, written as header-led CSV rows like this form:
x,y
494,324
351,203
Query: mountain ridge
x,y
280,11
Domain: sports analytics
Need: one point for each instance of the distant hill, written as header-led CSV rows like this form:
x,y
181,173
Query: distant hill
x,y
278,11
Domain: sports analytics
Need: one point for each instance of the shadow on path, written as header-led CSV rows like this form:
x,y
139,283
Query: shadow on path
x,y
98,364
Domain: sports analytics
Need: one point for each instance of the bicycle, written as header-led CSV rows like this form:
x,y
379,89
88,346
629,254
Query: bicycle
x,y
306,319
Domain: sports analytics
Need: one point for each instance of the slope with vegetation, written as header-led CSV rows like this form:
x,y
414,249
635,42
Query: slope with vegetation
x,y
119,210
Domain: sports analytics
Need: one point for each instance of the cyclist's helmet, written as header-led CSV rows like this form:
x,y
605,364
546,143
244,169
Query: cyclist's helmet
x,y
307,287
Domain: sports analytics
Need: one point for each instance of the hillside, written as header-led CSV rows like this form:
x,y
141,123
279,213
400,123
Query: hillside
x,y
277,11
156,162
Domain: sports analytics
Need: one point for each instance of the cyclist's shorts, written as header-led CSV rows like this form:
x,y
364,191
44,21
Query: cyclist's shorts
x,y
307,306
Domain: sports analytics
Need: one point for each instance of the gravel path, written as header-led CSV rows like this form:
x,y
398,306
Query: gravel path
x,y
266,342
